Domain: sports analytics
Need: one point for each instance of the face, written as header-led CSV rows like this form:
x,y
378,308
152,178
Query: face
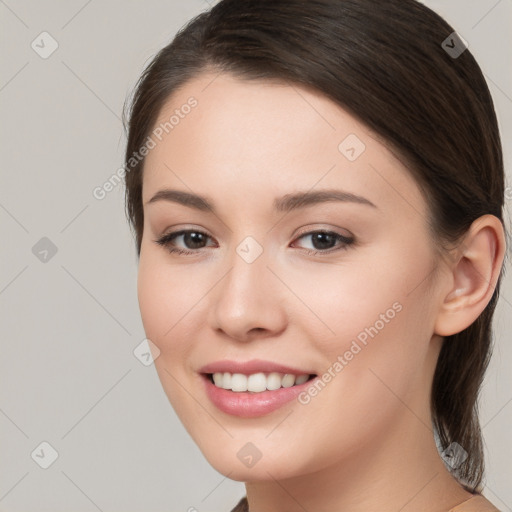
x,y
338,286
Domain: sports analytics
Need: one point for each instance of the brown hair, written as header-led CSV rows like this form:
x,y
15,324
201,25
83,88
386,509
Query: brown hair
x,y
382,61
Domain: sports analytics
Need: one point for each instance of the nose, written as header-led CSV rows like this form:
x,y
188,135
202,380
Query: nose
x,y
248,302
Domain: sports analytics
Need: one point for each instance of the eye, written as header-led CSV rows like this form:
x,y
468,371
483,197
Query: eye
x,y
325,241
322,241
193,240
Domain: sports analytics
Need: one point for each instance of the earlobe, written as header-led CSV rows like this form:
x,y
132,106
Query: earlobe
x,y
474,275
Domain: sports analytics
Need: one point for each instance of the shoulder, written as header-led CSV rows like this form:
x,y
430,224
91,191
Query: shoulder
x,y
475,504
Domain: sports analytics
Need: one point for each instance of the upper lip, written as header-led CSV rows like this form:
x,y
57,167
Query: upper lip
x,y
250,367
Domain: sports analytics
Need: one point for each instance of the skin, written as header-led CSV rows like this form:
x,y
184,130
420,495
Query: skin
x,y
364,442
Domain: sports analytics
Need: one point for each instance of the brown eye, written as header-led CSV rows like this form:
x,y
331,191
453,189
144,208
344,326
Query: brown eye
x,y
326,241
192,239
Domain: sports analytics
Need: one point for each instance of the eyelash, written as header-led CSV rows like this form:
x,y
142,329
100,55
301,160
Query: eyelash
x,y
165,241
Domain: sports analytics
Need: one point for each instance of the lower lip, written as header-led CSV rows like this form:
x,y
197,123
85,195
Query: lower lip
x,y
250,405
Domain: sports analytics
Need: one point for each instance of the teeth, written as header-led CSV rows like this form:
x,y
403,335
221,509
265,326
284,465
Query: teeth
x,y
226,381
288,381
274,381
257,382
218,379
239,382
301,379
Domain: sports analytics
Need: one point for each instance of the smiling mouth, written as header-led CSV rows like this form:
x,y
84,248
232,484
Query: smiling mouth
x,y
257,382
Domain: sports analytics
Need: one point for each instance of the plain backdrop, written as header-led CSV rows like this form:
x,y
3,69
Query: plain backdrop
x,y
69,314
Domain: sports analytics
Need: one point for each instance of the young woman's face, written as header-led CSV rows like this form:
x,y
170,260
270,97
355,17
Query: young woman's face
x,y
358,313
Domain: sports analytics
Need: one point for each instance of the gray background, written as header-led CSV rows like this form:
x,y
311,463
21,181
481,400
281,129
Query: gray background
x,y
70,324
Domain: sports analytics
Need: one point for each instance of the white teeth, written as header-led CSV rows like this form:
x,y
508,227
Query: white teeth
x,y
239,382
288,381
226,380
218,378
274,381
301,379
257,382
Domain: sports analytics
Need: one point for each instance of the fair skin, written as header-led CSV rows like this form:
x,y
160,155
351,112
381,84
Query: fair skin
x,y
365,441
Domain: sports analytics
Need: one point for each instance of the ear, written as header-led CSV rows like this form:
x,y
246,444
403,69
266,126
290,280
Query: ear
x,y
473,276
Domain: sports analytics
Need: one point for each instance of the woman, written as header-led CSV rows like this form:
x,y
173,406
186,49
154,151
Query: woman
x,y
316,190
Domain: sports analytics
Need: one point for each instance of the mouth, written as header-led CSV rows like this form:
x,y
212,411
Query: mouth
x,y
256,394
257,382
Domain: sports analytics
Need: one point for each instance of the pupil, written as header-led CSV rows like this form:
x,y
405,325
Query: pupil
x,y
193,238
323,238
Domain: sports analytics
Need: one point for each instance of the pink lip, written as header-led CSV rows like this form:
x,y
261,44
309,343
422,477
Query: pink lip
x,y
249,367
246,404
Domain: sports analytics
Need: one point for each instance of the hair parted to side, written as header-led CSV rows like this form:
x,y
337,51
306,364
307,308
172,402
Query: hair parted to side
x,y
383,62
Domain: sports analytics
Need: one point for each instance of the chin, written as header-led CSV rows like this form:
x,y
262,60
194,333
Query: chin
x,y
242,461
260,472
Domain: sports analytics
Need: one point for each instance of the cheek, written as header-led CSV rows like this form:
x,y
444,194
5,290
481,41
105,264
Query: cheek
x,y
376,326
372,293
155,295
166,305
166,302
372,368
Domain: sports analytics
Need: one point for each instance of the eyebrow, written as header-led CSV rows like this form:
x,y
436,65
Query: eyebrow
x,y
285,203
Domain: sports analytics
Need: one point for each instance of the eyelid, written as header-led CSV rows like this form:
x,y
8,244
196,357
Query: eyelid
x,y
309,229
343,241
166,238
172,235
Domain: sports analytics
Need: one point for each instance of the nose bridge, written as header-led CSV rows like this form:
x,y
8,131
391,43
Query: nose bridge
x,y
248,296
249,274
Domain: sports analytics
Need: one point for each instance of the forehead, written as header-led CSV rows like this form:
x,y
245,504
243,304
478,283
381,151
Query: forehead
x,y
270,137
